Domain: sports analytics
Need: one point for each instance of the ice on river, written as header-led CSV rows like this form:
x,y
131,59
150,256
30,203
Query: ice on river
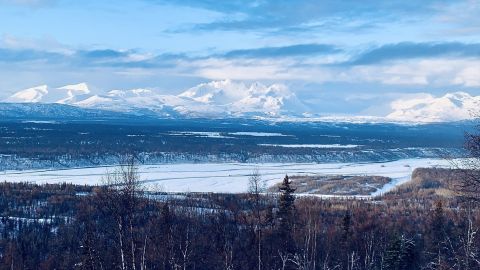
x,y
227,177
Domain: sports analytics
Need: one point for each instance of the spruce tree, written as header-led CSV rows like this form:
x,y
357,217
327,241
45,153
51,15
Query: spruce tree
x,y
286,213
346,229
400,254
345,240
392,256
437,230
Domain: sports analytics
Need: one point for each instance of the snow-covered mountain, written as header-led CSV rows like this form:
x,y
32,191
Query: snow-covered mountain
x,y
227,98
454,106
68,94
213,99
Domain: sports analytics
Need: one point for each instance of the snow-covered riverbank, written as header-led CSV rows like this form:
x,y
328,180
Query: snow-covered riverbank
x,y
227,177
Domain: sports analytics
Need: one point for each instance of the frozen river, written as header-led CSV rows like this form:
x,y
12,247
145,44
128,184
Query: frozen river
x,y
226,177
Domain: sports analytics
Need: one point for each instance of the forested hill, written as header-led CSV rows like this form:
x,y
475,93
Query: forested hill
x,y
47,144
82,227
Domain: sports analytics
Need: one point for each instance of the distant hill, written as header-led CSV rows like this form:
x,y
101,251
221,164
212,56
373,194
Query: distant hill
x,y
40,111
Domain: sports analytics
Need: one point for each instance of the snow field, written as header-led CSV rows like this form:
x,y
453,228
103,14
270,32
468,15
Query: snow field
x,y
226,177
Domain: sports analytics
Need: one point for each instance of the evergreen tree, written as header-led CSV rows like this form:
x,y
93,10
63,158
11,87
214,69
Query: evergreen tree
x,y
286,216
346,229
345,240
437,228
392,254
407,256
400,254
435,236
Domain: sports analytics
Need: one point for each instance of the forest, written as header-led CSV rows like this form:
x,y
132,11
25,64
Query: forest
x,y
120,225
63,144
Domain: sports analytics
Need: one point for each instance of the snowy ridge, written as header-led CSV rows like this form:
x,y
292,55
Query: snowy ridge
x,y
31,95
427,108
213,99
224,99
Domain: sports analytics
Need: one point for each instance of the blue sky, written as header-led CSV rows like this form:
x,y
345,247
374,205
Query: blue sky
x,y
342,56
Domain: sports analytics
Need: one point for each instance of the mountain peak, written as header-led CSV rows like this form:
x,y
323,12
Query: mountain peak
x,y
29,95
216,98
222,92
230,98
80,88
453,106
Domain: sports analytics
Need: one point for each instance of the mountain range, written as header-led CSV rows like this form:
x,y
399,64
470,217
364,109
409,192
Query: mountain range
x,y
213,99
220,99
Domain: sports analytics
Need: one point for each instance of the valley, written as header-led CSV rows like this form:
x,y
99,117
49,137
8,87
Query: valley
x,y
231,177
33,143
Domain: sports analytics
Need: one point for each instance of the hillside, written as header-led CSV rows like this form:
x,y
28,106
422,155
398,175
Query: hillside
x,y
430,183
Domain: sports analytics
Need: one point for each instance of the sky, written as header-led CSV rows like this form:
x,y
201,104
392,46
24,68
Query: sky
x,y
348,56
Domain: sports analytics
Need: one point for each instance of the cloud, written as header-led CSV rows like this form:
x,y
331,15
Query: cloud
x,y
438,72
409,50
22,55
430,65
90,58
301,14
102,54
286,51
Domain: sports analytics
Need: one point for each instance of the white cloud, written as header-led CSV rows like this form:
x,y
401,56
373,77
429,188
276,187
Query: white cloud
x,y
418,72
47,44
469,76
431,72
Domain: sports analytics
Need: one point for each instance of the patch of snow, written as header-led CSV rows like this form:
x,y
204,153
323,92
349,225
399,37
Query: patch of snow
x,y
259,134
199,134
76,88
323,146
40,122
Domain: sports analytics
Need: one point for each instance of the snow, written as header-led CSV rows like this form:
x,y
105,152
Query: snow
x,y
34,94
40,122
227,177
427,108
80,88
259,134
68,94
323,146
221,92
93,100
199,134
228,98
213,99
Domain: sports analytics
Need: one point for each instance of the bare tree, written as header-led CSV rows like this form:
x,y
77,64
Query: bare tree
x,y
256,186
468,185
121,197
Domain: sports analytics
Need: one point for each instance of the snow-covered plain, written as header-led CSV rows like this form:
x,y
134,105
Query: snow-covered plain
x,y
227,177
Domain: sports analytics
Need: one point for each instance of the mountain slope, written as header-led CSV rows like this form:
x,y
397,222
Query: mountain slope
x,y
213,99
40,111
427,108
43,94
30,95
221,99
